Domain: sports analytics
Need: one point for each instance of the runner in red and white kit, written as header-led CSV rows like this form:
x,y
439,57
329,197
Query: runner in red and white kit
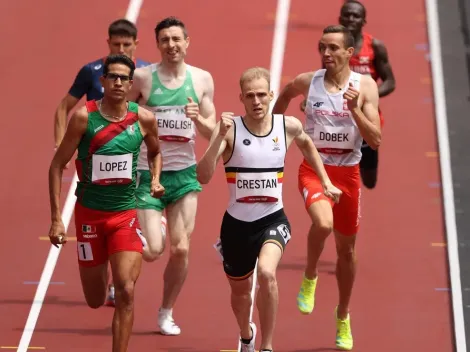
x,y
370,58
342,110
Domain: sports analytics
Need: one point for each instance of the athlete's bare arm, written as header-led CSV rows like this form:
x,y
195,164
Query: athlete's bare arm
x,y
366,113
298,86
384,68
60,118
75,130
205,121
295,132
154,156
220,144
141,85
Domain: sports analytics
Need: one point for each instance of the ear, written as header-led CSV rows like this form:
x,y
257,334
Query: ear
x,y
350,51
271,96
188,40
102,80
136,42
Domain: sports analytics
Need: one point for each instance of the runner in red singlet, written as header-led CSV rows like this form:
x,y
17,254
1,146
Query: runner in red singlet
x,y
341,112
370,58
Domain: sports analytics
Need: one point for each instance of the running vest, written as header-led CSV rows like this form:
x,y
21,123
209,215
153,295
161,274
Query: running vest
x,y
255,170
107,159
363,61
177,132
331,125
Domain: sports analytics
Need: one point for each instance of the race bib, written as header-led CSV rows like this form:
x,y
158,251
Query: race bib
x,y
112,169
173,125
257,187
334,140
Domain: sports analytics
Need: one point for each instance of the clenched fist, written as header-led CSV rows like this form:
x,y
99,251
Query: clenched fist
x,y
351,96
156,189
226,123
191,109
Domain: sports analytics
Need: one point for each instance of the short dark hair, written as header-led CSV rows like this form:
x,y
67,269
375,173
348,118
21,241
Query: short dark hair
x,y
122,28
337,28
119,59
364,11
170,22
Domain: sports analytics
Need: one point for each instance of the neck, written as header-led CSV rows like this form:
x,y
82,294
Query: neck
x,y
176,69
115,108
259,127
357,38
340,77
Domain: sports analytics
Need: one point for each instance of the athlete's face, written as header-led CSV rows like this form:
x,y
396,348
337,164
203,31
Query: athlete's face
x,y
333,51
172,44
122,45
117,82
256,97
352,17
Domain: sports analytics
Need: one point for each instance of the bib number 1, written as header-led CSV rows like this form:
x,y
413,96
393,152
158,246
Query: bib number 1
x,y
85,254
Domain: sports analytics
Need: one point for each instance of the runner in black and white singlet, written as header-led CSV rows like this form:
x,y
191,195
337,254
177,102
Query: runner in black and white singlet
x,y
255,226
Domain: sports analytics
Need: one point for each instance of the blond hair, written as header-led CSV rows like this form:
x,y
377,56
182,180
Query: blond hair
x,y
255,73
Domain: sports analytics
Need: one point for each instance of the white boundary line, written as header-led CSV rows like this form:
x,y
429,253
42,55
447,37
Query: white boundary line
x,y
446,173
277,60
67,212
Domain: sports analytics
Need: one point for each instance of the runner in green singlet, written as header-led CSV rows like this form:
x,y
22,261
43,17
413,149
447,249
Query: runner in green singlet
x,y
107,135
181,97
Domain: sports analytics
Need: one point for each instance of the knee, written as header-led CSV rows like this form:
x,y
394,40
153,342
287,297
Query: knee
x,y
346,252
322,228
266,277
180,250
125,293
152,253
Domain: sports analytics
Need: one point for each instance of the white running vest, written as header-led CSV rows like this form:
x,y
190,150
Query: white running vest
x,y
255,170
331,125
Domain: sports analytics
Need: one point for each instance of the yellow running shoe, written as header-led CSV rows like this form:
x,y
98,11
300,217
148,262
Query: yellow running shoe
x,y
306,295
344,339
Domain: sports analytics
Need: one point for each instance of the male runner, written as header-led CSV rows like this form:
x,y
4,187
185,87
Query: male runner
x,y
255,226
342,110
370,58
107,134
181,97
122,39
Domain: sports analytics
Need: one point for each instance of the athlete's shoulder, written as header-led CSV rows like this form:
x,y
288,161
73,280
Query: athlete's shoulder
x,y
293,125
141,63
145,115
95,65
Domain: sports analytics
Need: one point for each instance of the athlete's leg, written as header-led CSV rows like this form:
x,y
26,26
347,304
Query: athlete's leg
x,y
181,216
240,300
126,269
321,215
369,166
150,221
268,295
94,281
345,270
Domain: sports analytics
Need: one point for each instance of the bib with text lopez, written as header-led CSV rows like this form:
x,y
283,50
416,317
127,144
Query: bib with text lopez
x,y
112,169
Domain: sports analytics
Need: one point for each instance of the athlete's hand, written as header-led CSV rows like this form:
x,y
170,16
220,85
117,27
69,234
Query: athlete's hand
x,y
191,109
332,192
57,233
226,122
351,96
156,189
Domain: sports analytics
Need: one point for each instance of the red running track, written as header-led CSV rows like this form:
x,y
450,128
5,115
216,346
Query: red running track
x,y
395,305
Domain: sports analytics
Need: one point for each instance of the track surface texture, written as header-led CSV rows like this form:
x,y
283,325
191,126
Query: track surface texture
x,y
397,304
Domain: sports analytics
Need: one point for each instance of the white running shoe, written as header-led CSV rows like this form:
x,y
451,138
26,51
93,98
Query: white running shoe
x,y
251,346
167,324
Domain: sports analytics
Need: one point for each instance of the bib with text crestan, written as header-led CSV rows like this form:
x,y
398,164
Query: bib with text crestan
x,y
334,140
112,169
173,125
257,187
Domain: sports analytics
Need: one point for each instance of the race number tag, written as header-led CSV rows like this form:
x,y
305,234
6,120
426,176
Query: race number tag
x,y
173,125
112,169
334,140
257,187
85,254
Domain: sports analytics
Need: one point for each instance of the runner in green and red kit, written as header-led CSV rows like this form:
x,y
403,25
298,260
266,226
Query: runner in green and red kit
x,y
108,134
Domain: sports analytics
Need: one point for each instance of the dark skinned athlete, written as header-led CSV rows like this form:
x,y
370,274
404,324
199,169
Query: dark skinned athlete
x,y
370,57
